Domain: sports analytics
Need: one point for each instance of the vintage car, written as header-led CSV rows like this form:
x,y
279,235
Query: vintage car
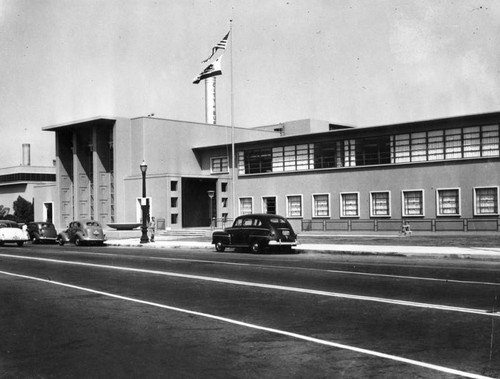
x,y
256,232
40,231
10,232
82,232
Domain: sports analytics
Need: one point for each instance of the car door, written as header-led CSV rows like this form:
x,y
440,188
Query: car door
x,y
234,231
245,231
73,228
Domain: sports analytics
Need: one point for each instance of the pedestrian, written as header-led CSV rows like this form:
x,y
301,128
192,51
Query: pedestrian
x,y
152,229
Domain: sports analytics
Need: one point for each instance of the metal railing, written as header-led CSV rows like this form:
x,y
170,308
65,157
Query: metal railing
x,y
418,225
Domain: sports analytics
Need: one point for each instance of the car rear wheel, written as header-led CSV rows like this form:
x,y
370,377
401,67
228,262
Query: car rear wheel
x,y
219,247
20,243
256,247
60,241
78,241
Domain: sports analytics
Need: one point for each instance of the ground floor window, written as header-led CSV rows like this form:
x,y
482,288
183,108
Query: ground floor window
x,y
448,202
380,204
413,203
269,205
349,204
321,205
246,205
485,201
294,206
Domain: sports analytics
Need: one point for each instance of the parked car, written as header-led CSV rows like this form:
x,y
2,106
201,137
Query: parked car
x,y
256,232
10,232
40,231
82,232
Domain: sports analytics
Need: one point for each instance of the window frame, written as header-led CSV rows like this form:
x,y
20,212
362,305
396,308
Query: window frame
x,y
239,205
262,203
221,158
403,214
301,206
438,213
474,189
389,208
328,208
358,205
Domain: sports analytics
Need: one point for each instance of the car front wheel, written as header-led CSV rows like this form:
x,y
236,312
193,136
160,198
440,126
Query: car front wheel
x,y
60,241
219,247
256,247
78,241
20,243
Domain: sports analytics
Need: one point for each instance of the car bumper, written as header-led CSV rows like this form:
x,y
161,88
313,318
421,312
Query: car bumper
x,y
282,243
51,239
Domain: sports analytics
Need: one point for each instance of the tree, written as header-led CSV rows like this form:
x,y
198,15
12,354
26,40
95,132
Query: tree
x,y
23,210
4,211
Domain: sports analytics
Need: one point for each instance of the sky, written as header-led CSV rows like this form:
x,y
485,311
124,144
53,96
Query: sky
x,y
354,62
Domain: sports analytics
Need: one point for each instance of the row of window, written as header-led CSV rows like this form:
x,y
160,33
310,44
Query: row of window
x,y
448,203
27,177
456,143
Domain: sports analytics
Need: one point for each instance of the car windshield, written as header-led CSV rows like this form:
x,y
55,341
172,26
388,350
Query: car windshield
x,y
7,225
92,223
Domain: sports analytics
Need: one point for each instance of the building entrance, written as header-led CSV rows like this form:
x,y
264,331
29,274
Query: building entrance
x,y
196,204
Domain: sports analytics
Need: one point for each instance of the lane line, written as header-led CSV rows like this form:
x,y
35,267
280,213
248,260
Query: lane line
x,y
449,308
262,328
421,278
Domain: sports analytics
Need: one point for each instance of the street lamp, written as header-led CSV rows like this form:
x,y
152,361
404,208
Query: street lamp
x,y
144,204
211,196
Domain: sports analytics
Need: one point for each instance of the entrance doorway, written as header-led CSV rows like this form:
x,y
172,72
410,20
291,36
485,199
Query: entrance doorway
x,y
48,209
196,204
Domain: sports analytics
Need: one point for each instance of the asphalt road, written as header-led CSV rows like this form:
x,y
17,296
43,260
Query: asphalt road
x,y
105,312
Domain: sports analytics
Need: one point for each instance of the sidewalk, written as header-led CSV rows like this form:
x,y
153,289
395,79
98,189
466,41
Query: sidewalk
x,y
336,244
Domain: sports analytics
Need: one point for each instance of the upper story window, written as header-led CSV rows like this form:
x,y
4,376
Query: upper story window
x,y
456,143
219,165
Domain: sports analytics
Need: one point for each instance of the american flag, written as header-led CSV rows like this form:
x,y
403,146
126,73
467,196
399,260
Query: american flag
x,y
220,46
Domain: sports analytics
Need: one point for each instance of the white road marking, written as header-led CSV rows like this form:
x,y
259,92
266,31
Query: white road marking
x,y
421,278
262,328
479,312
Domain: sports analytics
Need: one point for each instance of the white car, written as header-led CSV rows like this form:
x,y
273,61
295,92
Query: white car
x,y
10,232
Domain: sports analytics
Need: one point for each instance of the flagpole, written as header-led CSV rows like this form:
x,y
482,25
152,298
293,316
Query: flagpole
x,y
232,126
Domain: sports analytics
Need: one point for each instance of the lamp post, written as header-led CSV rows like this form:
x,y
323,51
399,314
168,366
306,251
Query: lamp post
x,y
211,196
144,205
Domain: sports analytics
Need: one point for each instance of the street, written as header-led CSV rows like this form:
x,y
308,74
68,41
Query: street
x,y
81,312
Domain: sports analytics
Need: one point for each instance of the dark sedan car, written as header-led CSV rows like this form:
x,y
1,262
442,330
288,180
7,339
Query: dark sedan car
x,y
40,231
256,232
82,232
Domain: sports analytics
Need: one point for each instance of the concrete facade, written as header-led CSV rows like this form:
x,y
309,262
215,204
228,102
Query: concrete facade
x,y
437,174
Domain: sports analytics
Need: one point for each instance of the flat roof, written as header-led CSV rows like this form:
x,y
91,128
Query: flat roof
x,y
77,123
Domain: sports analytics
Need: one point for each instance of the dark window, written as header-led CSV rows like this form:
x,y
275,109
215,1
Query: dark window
x,y
27,177
258,161
371,151
173,185
325,155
